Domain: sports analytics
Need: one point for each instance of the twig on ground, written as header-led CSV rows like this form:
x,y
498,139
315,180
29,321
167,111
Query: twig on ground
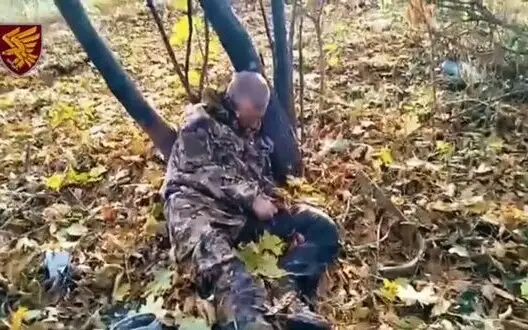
x,y
369,188
408,267
514,324
380,197
27,157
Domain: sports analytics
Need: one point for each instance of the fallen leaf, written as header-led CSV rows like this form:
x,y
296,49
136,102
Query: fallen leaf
x,y
488,291
385,155
154,306
271,243
483,169
108,213
121,292
262,258
410,124
161,283
410,296
76,230
389,290
56,212
55,182
151,226
459,250
17,318
193,323
524,289
179,4
441,307
444,207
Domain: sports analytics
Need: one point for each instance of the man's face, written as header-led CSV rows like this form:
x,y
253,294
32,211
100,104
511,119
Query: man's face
x,y
249,115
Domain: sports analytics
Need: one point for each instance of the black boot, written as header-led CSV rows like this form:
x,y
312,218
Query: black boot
x,y
239,300
298,314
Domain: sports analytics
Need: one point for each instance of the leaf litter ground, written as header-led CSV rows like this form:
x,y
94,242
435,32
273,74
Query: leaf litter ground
x,y
431,205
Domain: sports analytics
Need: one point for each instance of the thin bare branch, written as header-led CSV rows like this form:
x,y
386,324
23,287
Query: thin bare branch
x,y
172,56
189,39
291,36
301,85
203,74
322,61
266,24
292,26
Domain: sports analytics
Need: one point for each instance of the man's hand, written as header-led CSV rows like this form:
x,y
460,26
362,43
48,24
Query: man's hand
x,y
263,207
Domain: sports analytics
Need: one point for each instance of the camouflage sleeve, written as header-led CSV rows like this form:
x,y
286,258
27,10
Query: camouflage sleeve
x,y
195,161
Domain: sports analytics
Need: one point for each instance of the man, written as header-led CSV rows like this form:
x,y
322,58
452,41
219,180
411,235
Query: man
x,y
218,192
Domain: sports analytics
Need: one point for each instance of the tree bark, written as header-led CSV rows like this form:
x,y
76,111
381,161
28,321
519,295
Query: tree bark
x,y
236,41
286,158
282,71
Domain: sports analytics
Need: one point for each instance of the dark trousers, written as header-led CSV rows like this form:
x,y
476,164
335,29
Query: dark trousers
x,y
307,260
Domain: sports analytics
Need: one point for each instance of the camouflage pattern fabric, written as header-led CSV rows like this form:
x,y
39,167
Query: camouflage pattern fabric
x,y
213,175
212,178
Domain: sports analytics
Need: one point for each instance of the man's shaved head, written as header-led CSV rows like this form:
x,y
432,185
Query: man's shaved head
x,y
249,86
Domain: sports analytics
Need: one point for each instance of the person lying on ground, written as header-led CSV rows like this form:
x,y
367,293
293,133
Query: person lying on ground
x,y
218,192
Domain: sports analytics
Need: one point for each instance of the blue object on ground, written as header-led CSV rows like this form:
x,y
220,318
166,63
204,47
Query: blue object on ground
x,y
451,68
145,321
56,264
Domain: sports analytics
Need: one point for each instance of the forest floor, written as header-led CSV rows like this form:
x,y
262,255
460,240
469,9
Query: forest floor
x,y
431,202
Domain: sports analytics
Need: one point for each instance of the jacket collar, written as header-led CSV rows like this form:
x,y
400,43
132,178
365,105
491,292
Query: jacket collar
x,y
221,108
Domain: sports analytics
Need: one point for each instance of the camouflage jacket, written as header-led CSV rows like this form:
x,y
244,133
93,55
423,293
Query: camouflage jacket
x,y
213,173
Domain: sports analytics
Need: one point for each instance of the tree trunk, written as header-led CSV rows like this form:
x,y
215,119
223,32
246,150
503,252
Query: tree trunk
x,y
277,125
282,74
115,77
236,42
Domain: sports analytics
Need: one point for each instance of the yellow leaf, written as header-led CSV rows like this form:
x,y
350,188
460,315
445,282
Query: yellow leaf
x,y
262,258
55,182
5,103
385,155
330,47
215,49
194,78
17,318
444,148
179,4
162,282
271,243
180,32
72,176
389,290
333,61
60,113
495,143
513,215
